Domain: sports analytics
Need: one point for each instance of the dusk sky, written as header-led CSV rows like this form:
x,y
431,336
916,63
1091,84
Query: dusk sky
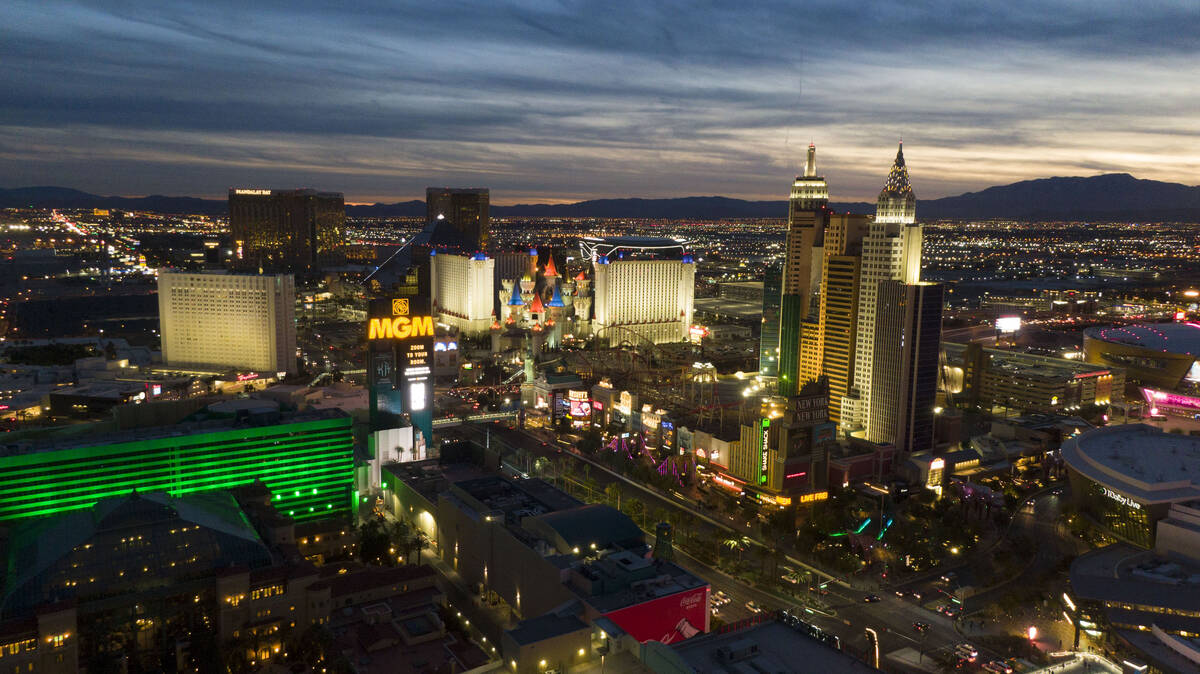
x,y
562,101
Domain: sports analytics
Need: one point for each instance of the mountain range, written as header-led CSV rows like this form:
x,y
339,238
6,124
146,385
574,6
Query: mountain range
x,y
1114,197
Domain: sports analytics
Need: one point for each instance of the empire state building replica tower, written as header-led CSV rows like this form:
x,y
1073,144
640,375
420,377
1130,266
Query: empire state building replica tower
x,y
808,214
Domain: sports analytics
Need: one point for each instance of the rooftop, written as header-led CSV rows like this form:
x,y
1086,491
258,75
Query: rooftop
x,y
626,578
598,525
1124,574
1169,337
516,498
594,247
1031,366
545,627
70,437
1139,461
371,577
771,646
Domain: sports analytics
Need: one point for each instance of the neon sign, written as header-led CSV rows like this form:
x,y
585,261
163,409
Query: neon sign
x,y
1170,399
766,427
247,376
253,193
727,482
400,327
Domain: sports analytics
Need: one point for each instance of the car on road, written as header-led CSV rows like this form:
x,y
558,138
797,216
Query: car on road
x,y
722,597
999,667
916,595
753,607
920,626
949,577
902,593
966,652
1057,492
871,598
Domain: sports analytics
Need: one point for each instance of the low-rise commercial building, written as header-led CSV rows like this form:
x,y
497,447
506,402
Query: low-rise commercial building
x,y
1148,602
778,643
1028,382
539,551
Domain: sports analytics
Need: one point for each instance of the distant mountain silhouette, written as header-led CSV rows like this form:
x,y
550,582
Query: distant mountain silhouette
x,y
1115,196
64,197
1111,197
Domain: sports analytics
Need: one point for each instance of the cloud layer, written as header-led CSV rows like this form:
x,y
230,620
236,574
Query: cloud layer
x,y
553,101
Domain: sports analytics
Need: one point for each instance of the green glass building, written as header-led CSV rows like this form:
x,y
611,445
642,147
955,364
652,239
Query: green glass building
x,y
306,460
768,342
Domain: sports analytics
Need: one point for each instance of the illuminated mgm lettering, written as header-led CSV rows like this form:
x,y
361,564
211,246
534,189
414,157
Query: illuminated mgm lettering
x,y
400,327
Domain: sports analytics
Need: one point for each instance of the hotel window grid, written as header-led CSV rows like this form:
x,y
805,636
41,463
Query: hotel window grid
x,y
308,465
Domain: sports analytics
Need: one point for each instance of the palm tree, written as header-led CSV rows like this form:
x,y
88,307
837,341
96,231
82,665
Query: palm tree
x,y
735,543
419,543
795,576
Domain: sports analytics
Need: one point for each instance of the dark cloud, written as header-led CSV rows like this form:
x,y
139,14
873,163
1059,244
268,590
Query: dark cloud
x,y
586,99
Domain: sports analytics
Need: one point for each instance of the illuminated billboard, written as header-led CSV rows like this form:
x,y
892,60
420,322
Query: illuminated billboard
x,y
400,334
1008,323
668,619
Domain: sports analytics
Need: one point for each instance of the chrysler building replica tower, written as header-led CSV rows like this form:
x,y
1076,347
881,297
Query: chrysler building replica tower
x,y
808,213
891,252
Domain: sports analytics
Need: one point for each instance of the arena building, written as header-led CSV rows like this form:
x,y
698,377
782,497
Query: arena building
x,y
1127,477
1161,355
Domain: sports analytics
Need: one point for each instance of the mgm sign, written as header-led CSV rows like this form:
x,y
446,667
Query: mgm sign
x,y
400,371
400,325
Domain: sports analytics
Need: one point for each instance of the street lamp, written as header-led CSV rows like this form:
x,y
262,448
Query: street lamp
x,y
875,639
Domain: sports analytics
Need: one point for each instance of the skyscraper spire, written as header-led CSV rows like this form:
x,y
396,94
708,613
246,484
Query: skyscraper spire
x,y
897,203
810,168
897,184
808,213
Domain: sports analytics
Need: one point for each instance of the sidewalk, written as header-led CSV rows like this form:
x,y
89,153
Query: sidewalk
x,y
1083,662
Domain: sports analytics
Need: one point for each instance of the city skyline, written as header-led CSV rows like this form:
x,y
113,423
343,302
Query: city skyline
x,y
383,102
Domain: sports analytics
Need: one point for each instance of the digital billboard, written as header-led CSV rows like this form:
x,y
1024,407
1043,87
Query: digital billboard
x,y
400,332
667,619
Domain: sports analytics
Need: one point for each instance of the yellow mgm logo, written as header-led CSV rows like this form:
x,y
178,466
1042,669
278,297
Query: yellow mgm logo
x,y
400,325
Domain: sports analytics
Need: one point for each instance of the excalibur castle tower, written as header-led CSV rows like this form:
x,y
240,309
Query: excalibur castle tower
x,y
808,213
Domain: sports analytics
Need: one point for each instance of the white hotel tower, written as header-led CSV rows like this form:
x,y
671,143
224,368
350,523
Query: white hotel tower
x,y
647,297
891,252
463,291
228,321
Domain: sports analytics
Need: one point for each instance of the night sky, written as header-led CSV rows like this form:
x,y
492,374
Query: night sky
x,y
561,101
